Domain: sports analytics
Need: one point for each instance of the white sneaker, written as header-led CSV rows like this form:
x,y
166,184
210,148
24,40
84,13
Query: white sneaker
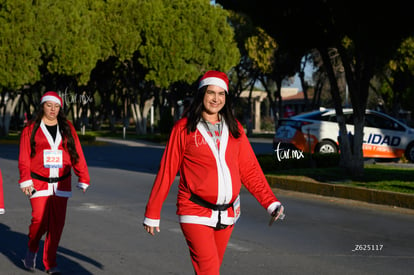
x,y
30,260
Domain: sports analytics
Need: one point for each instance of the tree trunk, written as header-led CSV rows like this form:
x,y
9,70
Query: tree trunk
x,y
141,118
6,111
136,115
358,74
266,83
346,159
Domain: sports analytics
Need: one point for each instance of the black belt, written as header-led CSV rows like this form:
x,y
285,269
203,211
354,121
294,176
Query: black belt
x,y
49,180
222,207
218,207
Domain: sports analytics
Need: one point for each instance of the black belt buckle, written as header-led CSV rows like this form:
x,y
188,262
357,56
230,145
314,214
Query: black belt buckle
x,y
52,180
221,226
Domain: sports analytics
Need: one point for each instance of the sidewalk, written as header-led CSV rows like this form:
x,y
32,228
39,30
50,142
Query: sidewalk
x,y
392,199
132,143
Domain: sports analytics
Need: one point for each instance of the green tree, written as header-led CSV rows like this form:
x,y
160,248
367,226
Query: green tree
x,y
135,51
70,48
259,55
70,40
118,76
178,48
19,56
397,90
365,37
19,45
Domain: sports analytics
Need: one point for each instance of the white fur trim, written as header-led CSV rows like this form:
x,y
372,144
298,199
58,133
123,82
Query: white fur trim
x,y
272,207
213,81
51,98
82,185
26,183
151,222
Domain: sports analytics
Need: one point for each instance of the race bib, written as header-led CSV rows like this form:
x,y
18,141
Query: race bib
x,y
52,158
236,206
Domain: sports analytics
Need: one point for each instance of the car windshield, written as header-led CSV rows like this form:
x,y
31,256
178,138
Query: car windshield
x,y
314,115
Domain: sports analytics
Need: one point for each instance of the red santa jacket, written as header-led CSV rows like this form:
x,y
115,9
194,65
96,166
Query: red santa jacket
x,y
213,174
29,165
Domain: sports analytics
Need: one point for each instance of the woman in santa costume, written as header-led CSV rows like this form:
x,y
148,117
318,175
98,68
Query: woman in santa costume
x,y
210,150
49,149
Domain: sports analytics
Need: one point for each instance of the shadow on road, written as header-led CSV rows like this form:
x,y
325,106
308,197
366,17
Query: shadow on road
x,y
139,159
13,247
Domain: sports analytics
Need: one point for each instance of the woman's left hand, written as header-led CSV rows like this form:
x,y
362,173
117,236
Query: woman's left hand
x,y
81,188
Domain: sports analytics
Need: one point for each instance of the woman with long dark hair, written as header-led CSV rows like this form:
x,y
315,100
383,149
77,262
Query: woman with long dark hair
x,y
210,150
49,149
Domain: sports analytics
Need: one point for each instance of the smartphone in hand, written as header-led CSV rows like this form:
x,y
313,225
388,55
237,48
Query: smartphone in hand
x,y
278,215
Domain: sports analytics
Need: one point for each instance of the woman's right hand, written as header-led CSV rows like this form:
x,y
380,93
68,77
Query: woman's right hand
x,y
151,229
278,214
27,190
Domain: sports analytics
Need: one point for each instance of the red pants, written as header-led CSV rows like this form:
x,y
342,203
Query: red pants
x,y
48,216
207,246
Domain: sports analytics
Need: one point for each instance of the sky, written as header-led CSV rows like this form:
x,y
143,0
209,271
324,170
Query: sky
x,y
296,82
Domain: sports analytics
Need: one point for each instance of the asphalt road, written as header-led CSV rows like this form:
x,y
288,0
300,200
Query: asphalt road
x,y
104,234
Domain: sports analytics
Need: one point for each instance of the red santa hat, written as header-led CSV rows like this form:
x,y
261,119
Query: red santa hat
x,y
215,78
51,96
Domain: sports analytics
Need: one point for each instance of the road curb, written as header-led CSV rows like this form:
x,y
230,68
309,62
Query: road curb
x,y
342,191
